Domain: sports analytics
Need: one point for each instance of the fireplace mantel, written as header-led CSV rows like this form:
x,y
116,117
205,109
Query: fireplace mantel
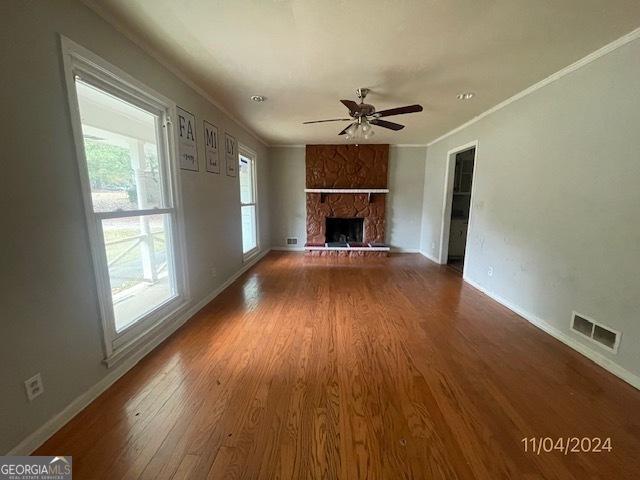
x,y
346,190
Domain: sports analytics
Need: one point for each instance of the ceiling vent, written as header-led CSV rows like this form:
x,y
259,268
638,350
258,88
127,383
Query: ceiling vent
x,y
606,337
292,240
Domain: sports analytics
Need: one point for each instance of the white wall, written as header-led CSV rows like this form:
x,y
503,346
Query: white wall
x,y
556,205
288,203
404,202
49,318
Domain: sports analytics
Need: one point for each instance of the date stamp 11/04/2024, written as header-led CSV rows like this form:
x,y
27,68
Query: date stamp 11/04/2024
x,y
566,445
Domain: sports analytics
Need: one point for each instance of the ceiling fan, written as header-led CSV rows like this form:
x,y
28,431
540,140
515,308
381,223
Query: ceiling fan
x,y
364,115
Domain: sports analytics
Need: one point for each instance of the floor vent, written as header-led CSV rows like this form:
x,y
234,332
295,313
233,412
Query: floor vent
x,y
292,241
604,336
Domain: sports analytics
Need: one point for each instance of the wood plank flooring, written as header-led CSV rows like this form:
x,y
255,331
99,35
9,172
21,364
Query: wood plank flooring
x,y
325,368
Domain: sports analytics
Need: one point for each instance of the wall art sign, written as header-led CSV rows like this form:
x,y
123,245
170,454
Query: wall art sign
x,y
231,154
187,150
211,150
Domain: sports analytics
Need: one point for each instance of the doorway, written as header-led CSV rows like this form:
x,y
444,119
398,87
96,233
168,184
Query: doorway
x,y
457,209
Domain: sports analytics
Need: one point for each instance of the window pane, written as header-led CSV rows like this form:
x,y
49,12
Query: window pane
x,y
246,180
248,228
121,147
140,269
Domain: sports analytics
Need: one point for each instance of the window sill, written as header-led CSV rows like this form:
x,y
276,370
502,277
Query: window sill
x,y
250,255
149,338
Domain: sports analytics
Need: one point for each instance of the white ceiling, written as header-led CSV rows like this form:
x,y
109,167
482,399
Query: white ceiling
x,y
304,55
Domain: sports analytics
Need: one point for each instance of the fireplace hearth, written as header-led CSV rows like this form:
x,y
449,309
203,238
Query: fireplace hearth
x,y
344,230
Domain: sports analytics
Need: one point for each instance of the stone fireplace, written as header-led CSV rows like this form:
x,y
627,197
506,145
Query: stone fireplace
x,y
346,187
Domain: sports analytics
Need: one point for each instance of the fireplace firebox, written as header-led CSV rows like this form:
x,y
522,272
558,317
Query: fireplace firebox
x,y
344,230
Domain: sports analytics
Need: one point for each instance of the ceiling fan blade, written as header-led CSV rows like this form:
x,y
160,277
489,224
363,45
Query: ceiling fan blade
x,y
399,111
385,124
345,130
330,120
351,105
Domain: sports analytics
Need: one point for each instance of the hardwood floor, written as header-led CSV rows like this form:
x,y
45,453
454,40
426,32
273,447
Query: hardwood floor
x,y
388,368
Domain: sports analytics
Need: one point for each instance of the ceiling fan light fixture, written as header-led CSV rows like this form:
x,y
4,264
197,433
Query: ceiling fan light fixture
x,y
364,116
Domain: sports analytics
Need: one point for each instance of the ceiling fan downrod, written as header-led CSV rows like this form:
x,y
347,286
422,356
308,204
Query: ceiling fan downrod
x,y
362,93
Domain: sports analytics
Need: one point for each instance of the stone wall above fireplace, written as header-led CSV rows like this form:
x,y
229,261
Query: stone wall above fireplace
x,y
347,166
342,167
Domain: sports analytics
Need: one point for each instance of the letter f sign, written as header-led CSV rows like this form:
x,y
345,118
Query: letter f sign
x,y
181,121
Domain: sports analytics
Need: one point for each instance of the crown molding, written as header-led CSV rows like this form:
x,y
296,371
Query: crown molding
x,y
403,145
286,145
610,47
99,9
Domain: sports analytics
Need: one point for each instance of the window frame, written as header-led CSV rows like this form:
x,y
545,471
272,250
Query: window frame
x,y
97,72
253,157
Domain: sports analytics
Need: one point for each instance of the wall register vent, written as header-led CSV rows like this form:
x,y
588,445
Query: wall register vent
x,y
292,240
604,336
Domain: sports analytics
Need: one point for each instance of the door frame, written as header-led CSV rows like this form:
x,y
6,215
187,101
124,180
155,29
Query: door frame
x,y
447,199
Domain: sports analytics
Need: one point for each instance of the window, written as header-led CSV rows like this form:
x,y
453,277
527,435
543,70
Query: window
x,y
248,203
128,179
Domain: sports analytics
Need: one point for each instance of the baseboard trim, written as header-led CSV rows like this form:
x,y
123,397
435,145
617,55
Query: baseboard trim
x,y
55,423
288,249
429,257
606,363
301,249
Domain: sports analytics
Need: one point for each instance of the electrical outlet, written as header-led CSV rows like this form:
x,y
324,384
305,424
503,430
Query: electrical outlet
x,y
213,272
34,387
433,246
490,272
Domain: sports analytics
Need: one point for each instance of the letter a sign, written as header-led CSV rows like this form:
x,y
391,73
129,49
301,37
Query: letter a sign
x,y
186,131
